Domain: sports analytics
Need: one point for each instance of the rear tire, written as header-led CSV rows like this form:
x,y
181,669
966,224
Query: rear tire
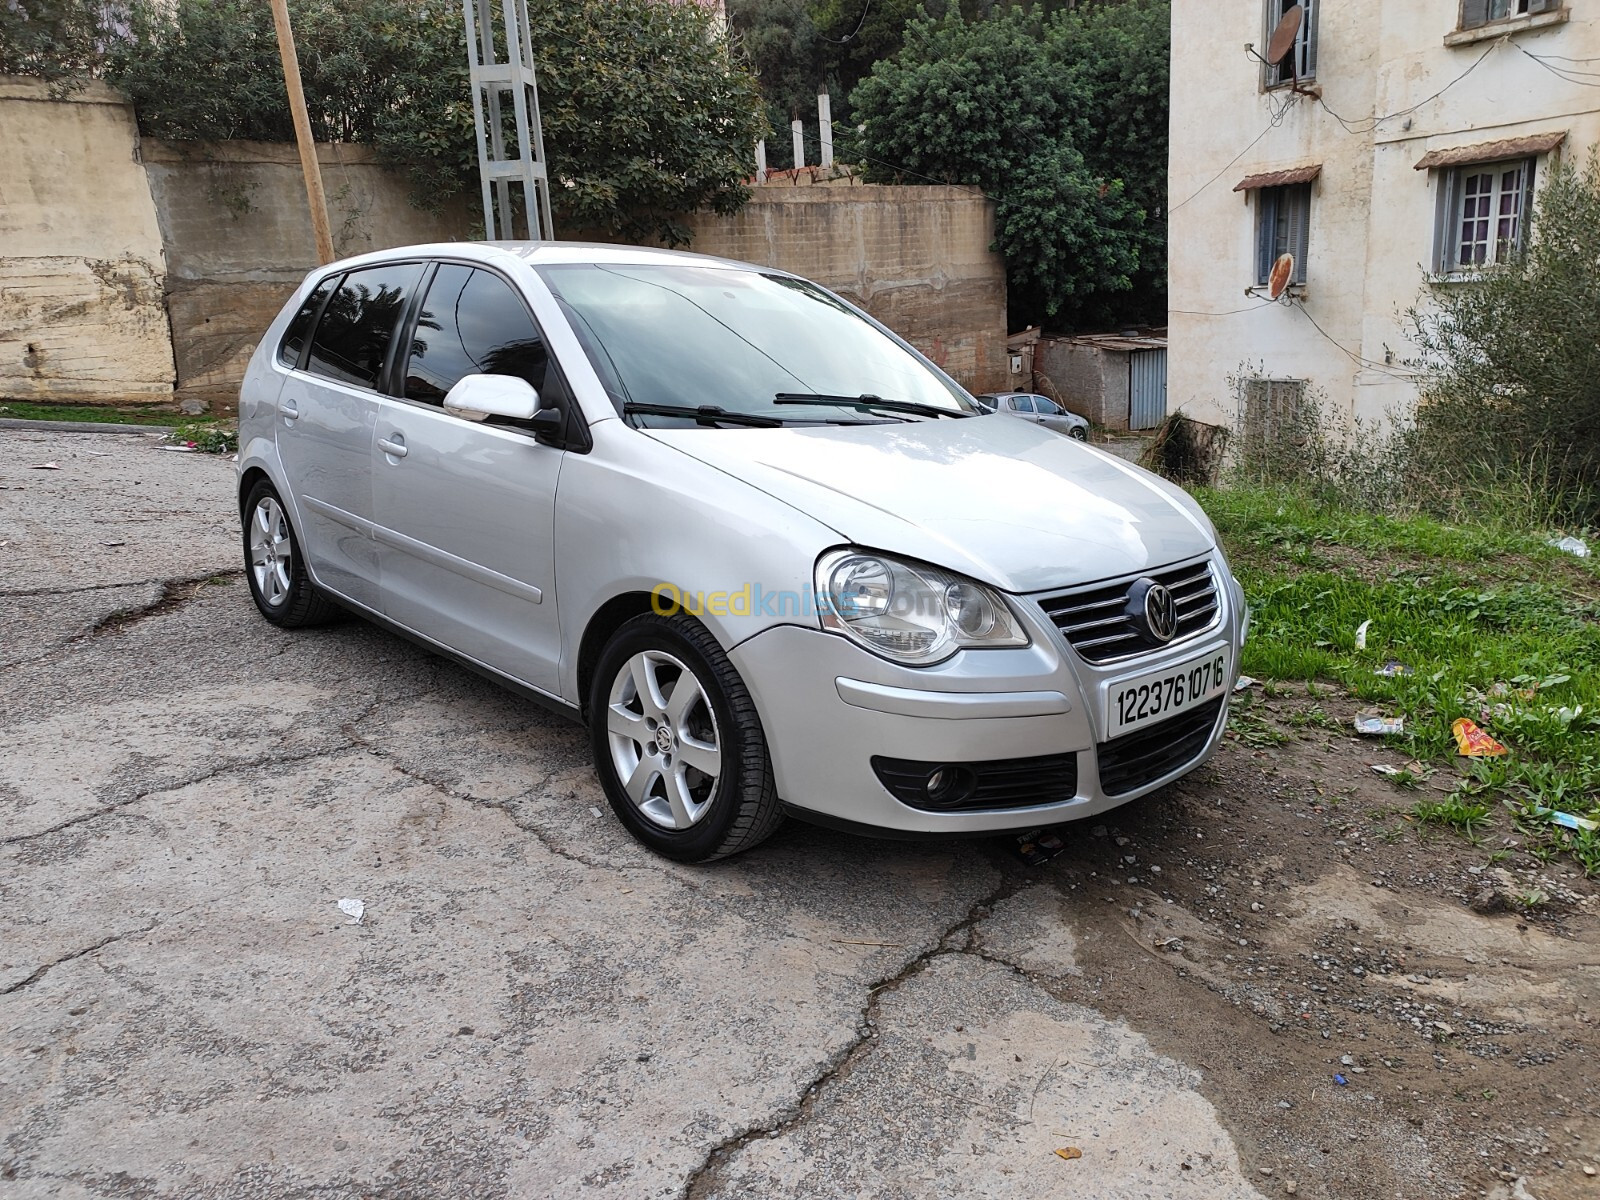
x,y
677,742
279,584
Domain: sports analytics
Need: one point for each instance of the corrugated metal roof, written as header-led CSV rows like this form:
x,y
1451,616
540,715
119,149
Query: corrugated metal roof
x,y
1116,341
1278,178
1484,152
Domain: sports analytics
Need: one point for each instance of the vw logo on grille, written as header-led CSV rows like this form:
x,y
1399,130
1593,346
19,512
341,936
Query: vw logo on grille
x,y
1160,613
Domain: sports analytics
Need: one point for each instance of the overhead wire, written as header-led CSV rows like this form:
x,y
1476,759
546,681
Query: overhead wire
x,y
1565,73
849,37
1370,123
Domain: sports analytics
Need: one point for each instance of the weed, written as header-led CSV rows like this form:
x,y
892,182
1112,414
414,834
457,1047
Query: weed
x,y
1453,811
207,436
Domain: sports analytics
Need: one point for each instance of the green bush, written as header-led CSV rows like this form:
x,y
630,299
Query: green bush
x,y
648,114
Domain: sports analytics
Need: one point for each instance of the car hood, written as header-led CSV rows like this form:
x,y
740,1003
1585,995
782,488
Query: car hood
x,y
1004,501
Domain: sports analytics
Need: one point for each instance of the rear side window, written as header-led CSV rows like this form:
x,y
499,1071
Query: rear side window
x,y
1022,403
352,339
294,340
472,323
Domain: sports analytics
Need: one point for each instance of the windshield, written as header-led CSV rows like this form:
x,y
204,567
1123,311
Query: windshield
x,y
689,336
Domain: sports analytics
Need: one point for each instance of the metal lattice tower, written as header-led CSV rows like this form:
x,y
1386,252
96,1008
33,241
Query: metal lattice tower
x,y
491,80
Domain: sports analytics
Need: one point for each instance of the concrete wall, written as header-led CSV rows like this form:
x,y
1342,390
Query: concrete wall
x,y
233,216
1092,381
138,271
917,258
81,270
1372,215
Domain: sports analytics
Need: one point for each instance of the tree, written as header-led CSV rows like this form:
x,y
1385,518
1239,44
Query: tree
x,y
1510,393
647,114
790,61
986,103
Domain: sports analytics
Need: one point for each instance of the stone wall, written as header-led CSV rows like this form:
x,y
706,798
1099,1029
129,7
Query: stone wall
x,y
81,271
917,258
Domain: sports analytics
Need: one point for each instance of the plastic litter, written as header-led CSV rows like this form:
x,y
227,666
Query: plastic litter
x,y
49,466
1039,846
1472,742
1567,820
1341,1081
1376,724
1412,769
1361,633
1577,547
1244,681
1069,1153
356,910
1392,668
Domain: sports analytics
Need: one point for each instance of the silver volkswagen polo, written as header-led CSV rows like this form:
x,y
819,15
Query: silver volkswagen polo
x,y
774,558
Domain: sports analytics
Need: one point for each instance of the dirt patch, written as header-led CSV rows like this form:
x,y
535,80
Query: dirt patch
x,y
1364,1030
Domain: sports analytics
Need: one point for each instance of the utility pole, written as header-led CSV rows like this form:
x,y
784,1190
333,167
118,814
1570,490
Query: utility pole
x,y
302,132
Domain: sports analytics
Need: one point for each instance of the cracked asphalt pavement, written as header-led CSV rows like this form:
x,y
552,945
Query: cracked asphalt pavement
x,y
533,1005
1253,983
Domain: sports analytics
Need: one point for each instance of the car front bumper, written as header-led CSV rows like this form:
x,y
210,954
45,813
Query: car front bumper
x,y
828,707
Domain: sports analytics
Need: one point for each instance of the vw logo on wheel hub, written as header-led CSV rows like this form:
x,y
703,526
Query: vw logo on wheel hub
x,y
664,739
1160,613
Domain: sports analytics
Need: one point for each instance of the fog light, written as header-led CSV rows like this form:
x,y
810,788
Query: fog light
x,y
950,785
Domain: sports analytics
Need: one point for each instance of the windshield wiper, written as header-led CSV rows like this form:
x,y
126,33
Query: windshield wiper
x,y
704,414
867,403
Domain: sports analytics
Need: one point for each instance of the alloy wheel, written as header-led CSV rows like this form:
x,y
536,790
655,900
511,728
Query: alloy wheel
x,y
664,741
271,551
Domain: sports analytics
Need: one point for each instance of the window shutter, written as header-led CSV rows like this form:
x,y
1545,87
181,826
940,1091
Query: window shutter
x,y
1447,225
1474,13
1299,227
1266,220
1311,38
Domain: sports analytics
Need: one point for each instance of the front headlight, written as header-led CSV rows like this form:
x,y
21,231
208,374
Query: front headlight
x,y
910,612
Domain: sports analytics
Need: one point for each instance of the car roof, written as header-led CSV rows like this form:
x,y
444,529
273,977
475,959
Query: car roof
x,y
547,254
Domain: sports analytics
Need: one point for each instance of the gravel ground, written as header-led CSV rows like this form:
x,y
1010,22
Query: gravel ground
x,y
534,1006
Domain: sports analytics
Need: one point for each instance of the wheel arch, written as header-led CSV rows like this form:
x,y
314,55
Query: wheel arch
x,y
607,619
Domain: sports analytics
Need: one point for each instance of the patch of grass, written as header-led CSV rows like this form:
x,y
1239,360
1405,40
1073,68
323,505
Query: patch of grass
x,y
1493,625
1454,812
103,414
211,437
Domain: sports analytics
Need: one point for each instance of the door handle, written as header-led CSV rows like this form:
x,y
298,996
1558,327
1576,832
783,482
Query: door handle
x,y
394,448
289,409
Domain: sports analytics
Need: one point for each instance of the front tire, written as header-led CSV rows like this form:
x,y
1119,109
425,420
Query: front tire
x,y
677,742
279,584
1078,432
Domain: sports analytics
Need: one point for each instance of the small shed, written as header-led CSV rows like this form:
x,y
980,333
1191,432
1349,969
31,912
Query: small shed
x,y
1117,380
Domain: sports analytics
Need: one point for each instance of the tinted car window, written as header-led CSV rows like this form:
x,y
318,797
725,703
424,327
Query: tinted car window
x,y
294,339
1022,403
1046,406
472,323
353,336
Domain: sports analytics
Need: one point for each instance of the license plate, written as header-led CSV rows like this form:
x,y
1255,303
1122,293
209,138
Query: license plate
x,y
1145,699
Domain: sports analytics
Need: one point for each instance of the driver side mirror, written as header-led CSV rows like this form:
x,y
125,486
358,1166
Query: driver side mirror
x,y
477,397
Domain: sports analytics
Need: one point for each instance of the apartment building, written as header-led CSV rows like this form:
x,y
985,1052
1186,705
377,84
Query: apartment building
x,y
1393,150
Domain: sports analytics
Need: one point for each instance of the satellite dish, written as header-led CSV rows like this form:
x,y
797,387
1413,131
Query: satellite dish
x,y
1278,278
1282,39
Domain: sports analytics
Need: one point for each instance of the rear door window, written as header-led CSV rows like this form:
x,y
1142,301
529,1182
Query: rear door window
x,y
352,339
472,323
294,338
1022,403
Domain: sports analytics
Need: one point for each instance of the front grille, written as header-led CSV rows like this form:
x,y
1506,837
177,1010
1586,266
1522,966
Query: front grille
x,y
996,783
1099,625
1147,755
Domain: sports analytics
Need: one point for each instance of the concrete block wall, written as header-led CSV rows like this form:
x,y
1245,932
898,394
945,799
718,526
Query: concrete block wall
x,y
1092,381
917,258
147,271
82,273
233,217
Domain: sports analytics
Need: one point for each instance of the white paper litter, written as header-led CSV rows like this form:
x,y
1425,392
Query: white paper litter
x,y
593,811
1572,545
1361,633
50,466
1244,682
354,909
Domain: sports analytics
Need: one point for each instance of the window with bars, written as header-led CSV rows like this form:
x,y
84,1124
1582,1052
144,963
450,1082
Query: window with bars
x,y
1301,62
1482,12
1483,214
1283,226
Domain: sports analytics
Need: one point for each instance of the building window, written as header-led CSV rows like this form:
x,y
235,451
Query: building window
x,y
1283,226
1301,62
1483,211
1482,12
